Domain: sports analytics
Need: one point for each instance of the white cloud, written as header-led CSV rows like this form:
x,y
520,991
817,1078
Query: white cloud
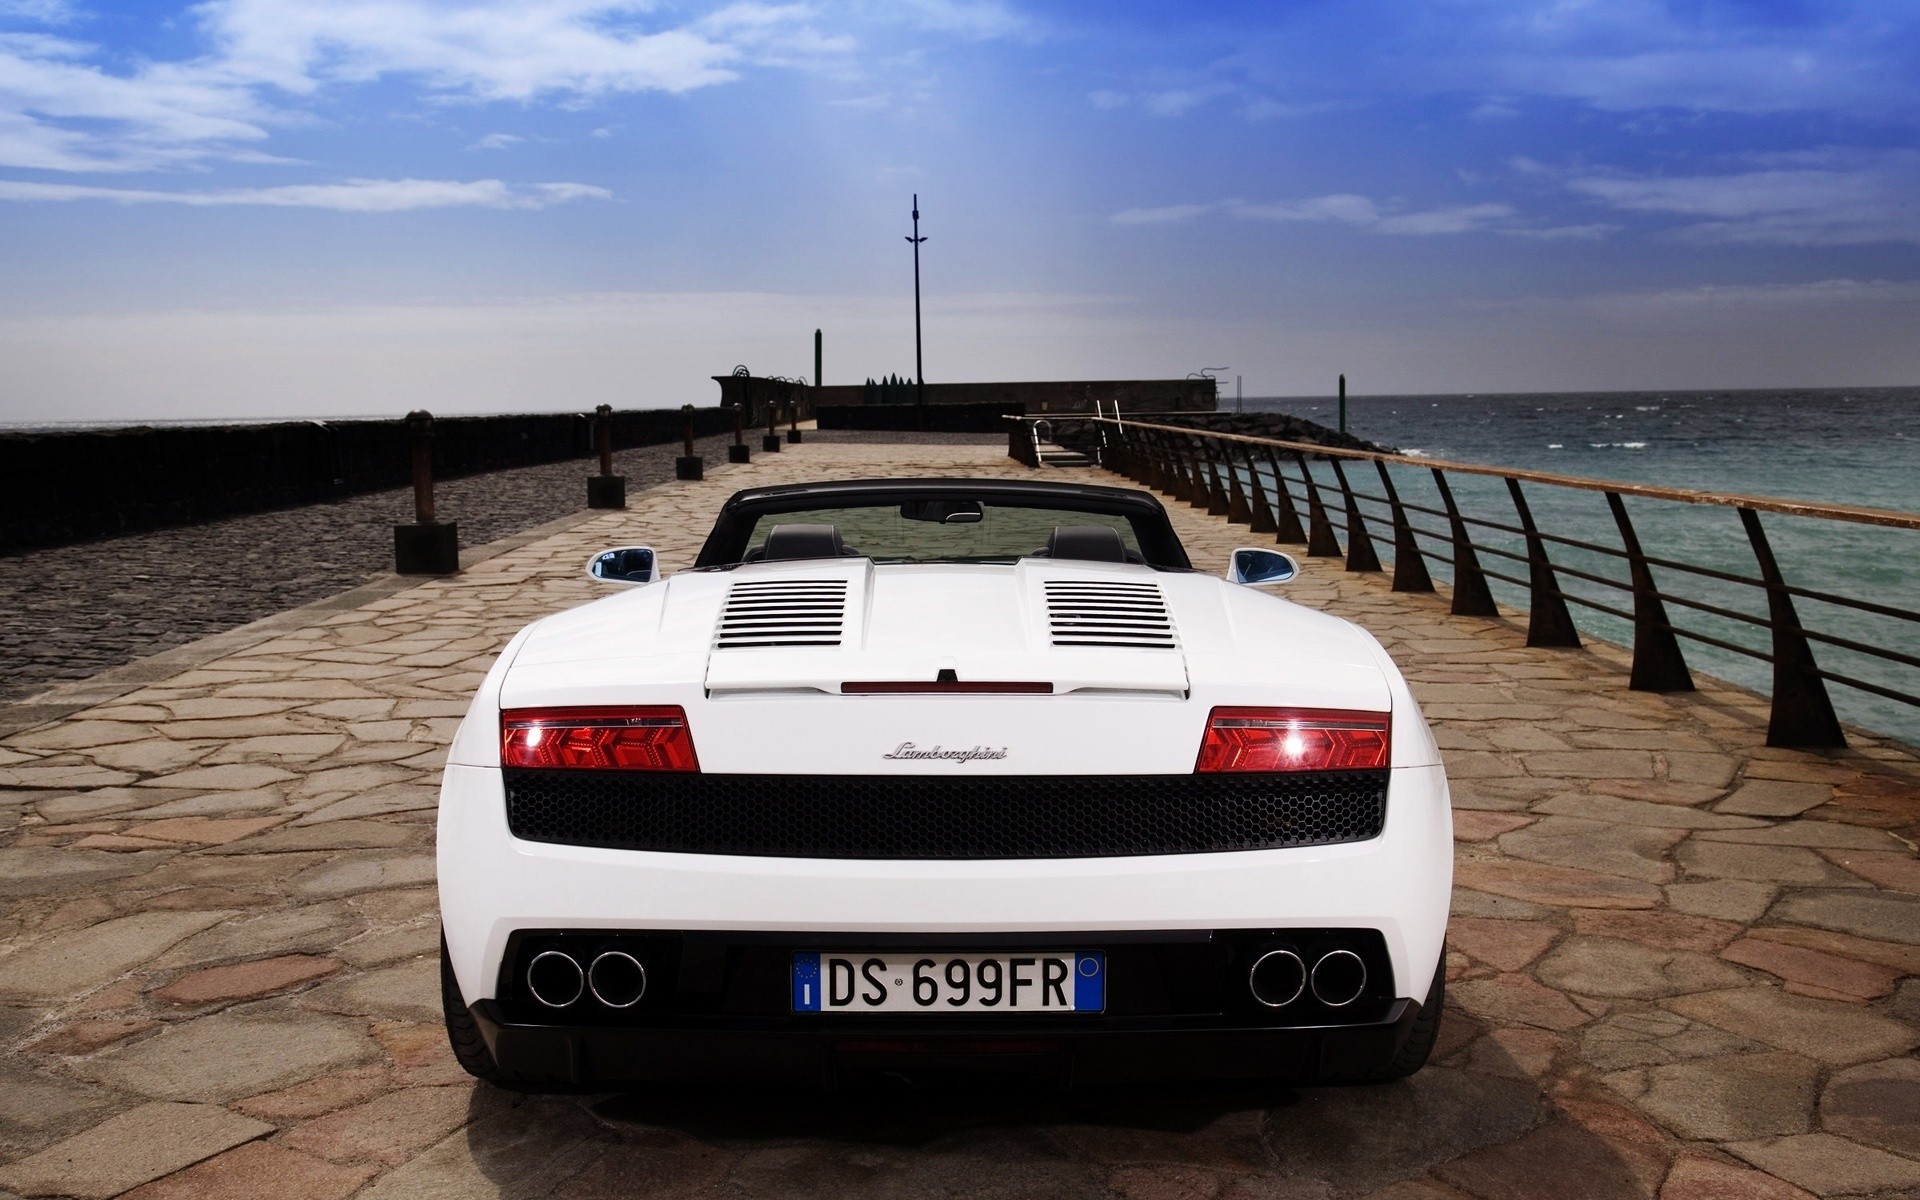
x,y
1362,212
60,112
1820,199
66,105
496,141
356,195
1464,218
1354,210
979,20
491,50
1179,99
1168,215
45,12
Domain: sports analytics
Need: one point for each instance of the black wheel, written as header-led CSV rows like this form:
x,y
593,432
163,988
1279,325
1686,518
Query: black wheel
x,y
463,1034
1426,1027
1414,1052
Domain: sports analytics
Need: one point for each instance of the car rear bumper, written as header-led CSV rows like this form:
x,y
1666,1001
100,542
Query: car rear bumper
x,y
493,886
594,1056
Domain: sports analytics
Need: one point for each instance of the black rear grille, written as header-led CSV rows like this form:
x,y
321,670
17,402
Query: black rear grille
x,y
921,816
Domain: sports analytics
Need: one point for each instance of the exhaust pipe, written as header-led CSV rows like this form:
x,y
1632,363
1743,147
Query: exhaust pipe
x,y
617,979
555,978
1339,978
1277,978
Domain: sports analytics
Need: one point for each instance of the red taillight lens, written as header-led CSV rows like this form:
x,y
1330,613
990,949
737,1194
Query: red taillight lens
x,y
1293,739
597,739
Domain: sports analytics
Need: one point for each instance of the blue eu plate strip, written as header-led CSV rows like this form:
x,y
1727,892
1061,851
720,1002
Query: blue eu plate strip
x,y
806,982
1090,983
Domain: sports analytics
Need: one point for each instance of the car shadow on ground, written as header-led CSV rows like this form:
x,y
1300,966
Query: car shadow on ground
x,y
1489,1130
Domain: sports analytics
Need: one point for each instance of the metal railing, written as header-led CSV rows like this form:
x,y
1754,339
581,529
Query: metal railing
x,y
1267,485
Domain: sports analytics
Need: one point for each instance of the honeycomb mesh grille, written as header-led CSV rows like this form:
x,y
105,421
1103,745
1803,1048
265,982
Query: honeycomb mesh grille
x,y
894,817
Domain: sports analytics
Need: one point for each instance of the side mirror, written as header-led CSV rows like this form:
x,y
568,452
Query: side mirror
x,y
1260,567
628,564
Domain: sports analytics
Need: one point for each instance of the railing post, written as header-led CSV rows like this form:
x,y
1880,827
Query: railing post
x,y
1164,477
1360,555
426,547
1548,621
1658,665
1802,714
1130,462
1239,512
1471,595
1260,515
1199,496
1409,566
1286,529
605,490
1218,505
1159,475
1320,540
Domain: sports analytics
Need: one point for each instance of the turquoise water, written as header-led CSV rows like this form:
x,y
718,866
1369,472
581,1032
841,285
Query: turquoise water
x,y
1840,446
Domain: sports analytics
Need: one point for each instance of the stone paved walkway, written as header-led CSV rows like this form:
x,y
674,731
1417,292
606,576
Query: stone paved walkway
x,y
1683,965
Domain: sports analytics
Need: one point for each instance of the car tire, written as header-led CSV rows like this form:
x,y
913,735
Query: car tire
x,y
464,1034
1421,1037
1426,1027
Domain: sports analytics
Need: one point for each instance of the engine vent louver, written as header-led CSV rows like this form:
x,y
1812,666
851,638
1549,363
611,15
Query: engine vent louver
x,y
783,612
1104,613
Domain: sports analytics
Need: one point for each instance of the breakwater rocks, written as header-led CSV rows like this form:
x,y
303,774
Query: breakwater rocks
x,y
68,486
1282,426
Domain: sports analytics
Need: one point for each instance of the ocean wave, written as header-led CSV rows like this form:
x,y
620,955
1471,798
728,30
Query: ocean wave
x,y
1612,446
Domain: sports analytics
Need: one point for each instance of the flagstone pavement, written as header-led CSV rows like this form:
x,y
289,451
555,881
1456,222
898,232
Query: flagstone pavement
x,y
1682,964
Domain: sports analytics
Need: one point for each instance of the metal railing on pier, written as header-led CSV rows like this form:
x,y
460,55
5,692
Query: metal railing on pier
x,y
1422,510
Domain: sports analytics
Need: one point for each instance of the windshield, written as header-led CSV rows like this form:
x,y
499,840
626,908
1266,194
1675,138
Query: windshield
x,y
968,531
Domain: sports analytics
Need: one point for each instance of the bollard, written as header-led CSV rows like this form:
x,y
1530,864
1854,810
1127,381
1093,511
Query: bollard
x,y
771,442
425,547
605,490
738,452
793,427
688,466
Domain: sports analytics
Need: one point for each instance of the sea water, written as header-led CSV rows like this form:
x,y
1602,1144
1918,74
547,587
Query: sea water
x,y
1835,446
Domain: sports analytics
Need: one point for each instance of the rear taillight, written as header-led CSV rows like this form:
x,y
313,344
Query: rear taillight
x,y
1293,739
597,739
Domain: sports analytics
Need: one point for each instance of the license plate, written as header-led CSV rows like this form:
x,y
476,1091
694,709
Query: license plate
x,y
1037,982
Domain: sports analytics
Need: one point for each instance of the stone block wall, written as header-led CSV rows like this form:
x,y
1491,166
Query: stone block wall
x,y
61,487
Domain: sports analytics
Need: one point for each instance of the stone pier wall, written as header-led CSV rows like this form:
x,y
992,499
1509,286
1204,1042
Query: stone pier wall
x,y
68,486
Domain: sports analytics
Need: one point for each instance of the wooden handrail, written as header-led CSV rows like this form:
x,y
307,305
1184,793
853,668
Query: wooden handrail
x,y
1891,518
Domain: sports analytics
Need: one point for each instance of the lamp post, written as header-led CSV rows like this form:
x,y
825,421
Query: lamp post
x,y
919,372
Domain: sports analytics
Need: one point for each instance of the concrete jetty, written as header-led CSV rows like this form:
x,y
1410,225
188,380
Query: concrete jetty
x,y
1682,965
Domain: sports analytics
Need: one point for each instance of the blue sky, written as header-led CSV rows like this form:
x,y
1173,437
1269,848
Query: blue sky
x,y
316,207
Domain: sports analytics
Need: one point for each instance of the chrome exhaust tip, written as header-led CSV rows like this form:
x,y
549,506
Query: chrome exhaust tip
x,y
555,979
1277,978
1339,978
617,979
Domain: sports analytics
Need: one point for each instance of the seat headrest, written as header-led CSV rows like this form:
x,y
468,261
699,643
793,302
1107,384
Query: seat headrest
x,y
1087,543
803,541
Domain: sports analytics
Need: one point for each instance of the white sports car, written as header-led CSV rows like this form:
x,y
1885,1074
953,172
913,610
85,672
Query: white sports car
x,y
942,774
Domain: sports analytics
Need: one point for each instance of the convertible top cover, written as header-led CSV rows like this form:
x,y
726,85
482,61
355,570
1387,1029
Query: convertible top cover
x,y
1136,514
